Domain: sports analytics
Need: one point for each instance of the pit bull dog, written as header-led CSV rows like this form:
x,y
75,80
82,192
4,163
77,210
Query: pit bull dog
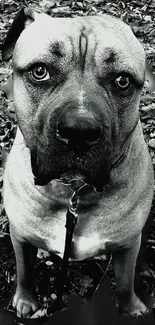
x,y
77,84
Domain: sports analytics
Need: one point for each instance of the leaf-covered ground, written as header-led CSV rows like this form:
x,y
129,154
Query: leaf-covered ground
x,y
141,17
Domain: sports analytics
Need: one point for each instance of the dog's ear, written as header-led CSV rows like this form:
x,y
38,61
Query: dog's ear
x,y
150,77
23,18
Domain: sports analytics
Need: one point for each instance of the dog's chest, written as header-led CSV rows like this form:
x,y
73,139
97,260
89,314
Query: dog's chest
x,y
42,223
49,233
45,228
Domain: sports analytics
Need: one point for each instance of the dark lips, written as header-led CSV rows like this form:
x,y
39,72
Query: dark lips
x,y
73,180
73,183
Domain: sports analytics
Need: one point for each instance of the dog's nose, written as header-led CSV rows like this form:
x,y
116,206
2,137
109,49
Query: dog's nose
x,y
78,127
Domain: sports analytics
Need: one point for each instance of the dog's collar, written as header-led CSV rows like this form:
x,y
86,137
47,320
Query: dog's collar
x,y
76,185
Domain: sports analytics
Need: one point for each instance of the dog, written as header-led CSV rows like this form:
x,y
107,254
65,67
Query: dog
x,y
77,84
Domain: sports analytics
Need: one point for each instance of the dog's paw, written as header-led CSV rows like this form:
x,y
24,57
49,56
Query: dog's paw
x,y
135,307
25,303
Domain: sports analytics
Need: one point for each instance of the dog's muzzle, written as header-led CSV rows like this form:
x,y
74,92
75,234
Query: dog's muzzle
x,y
78,148
78,128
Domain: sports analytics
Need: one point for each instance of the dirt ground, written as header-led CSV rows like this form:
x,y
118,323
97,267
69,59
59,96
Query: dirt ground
x,y
140,15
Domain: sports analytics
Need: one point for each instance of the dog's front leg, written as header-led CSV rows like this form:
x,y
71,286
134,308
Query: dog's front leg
x,y
124,265
24,300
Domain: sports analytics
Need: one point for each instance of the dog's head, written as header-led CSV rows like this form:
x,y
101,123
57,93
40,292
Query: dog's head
x,y
77,85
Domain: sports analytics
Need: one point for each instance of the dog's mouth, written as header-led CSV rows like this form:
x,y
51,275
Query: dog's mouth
x,y
73,179
91,167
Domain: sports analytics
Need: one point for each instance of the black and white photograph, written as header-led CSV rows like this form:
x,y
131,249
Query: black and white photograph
x,y
77,160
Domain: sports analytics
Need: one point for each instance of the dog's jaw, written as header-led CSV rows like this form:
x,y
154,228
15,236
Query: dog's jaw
x,y
74,180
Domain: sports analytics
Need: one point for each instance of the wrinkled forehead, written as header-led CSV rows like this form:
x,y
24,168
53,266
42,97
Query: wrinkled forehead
x,y
107,38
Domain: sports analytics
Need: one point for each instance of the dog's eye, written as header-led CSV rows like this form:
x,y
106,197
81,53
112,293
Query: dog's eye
x,y
122,82
39,73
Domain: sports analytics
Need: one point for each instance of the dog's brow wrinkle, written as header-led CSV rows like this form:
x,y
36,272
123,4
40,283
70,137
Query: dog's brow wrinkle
x,y
83,42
